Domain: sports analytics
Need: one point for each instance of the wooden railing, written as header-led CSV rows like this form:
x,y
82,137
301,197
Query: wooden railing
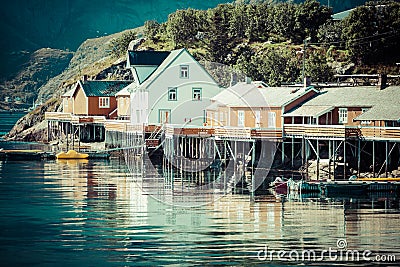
x,y
88,119
380,132
120,126
266,133
340,131
188,130
233,132
315,130
60,116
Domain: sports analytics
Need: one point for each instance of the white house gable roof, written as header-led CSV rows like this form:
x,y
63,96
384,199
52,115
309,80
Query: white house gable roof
x,y
172,57
257,95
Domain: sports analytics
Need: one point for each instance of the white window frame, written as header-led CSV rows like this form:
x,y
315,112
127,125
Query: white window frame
x,y
104,102
257,118
343,115
271,120
241,118
197,94
172,91
184,71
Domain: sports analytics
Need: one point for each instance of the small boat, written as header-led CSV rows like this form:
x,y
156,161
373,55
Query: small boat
x,y
280,186
71,154
389,179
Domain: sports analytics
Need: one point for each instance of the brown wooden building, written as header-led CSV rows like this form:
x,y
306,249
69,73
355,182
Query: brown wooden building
x,y
255,105
96,98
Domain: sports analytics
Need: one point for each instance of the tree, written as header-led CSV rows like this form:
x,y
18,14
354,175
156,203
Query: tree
x,y
317,68
330,33
182,27
219,43
372,32
283,20
119,46
151,29
310,15
274,65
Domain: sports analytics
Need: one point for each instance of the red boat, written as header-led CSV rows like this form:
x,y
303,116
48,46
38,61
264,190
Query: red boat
x,y
280,186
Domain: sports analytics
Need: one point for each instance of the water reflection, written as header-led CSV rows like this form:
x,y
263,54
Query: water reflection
x,y
96,213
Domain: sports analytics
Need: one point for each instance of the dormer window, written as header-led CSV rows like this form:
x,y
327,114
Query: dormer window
x,y
184,71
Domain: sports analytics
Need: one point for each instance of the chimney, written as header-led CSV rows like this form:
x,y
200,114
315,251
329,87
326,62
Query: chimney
x,y
248,80
382,81
307,82
234,79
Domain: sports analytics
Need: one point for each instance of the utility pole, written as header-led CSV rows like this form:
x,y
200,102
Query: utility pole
x,y
304,56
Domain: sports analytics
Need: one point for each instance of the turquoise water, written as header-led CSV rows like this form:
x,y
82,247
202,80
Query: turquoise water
x,y
94,213
8,119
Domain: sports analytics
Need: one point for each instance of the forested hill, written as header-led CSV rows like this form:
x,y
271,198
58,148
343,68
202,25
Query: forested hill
x,y
28,25
266,40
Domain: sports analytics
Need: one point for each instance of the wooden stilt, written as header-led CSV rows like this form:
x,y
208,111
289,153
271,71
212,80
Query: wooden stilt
x,y
317,159
358,157
386,158
283,152
344,160
373,158
292,152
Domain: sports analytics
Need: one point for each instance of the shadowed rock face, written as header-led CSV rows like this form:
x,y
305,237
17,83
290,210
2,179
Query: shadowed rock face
x,y
42,65
27,25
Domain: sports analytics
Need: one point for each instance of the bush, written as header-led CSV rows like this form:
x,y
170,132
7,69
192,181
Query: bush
x,y
119,45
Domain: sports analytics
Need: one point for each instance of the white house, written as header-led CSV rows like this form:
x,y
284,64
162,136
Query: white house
x,y
177,92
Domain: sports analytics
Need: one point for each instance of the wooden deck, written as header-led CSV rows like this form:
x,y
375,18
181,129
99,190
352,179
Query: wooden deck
x,y
336,131
75,119
189,131
341,132
291,130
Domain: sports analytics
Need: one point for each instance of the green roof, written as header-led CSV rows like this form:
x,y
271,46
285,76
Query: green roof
x,y
147,58
103,88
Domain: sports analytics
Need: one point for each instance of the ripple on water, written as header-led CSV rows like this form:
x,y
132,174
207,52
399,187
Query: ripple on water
x,y
95,213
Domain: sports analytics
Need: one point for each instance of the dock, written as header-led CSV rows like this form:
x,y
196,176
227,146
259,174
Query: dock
x,y
37,154
344,188
25,154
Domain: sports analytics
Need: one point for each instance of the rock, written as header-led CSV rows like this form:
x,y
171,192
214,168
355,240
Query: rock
x,y
32,127
42,65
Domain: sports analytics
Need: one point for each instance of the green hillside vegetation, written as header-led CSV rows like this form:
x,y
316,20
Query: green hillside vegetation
x,y
266,40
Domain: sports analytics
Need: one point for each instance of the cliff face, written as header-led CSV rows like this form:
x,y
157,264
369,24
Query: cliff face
x,y
42,65
92,59
32,127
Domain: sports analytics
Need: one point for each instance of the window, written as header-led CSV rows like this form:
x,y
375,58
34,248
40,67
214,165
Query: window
x,y
241,118
184,72
172,94
66,100
271,120
363,110
104,102
196,92
342,115
216,121
257,117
